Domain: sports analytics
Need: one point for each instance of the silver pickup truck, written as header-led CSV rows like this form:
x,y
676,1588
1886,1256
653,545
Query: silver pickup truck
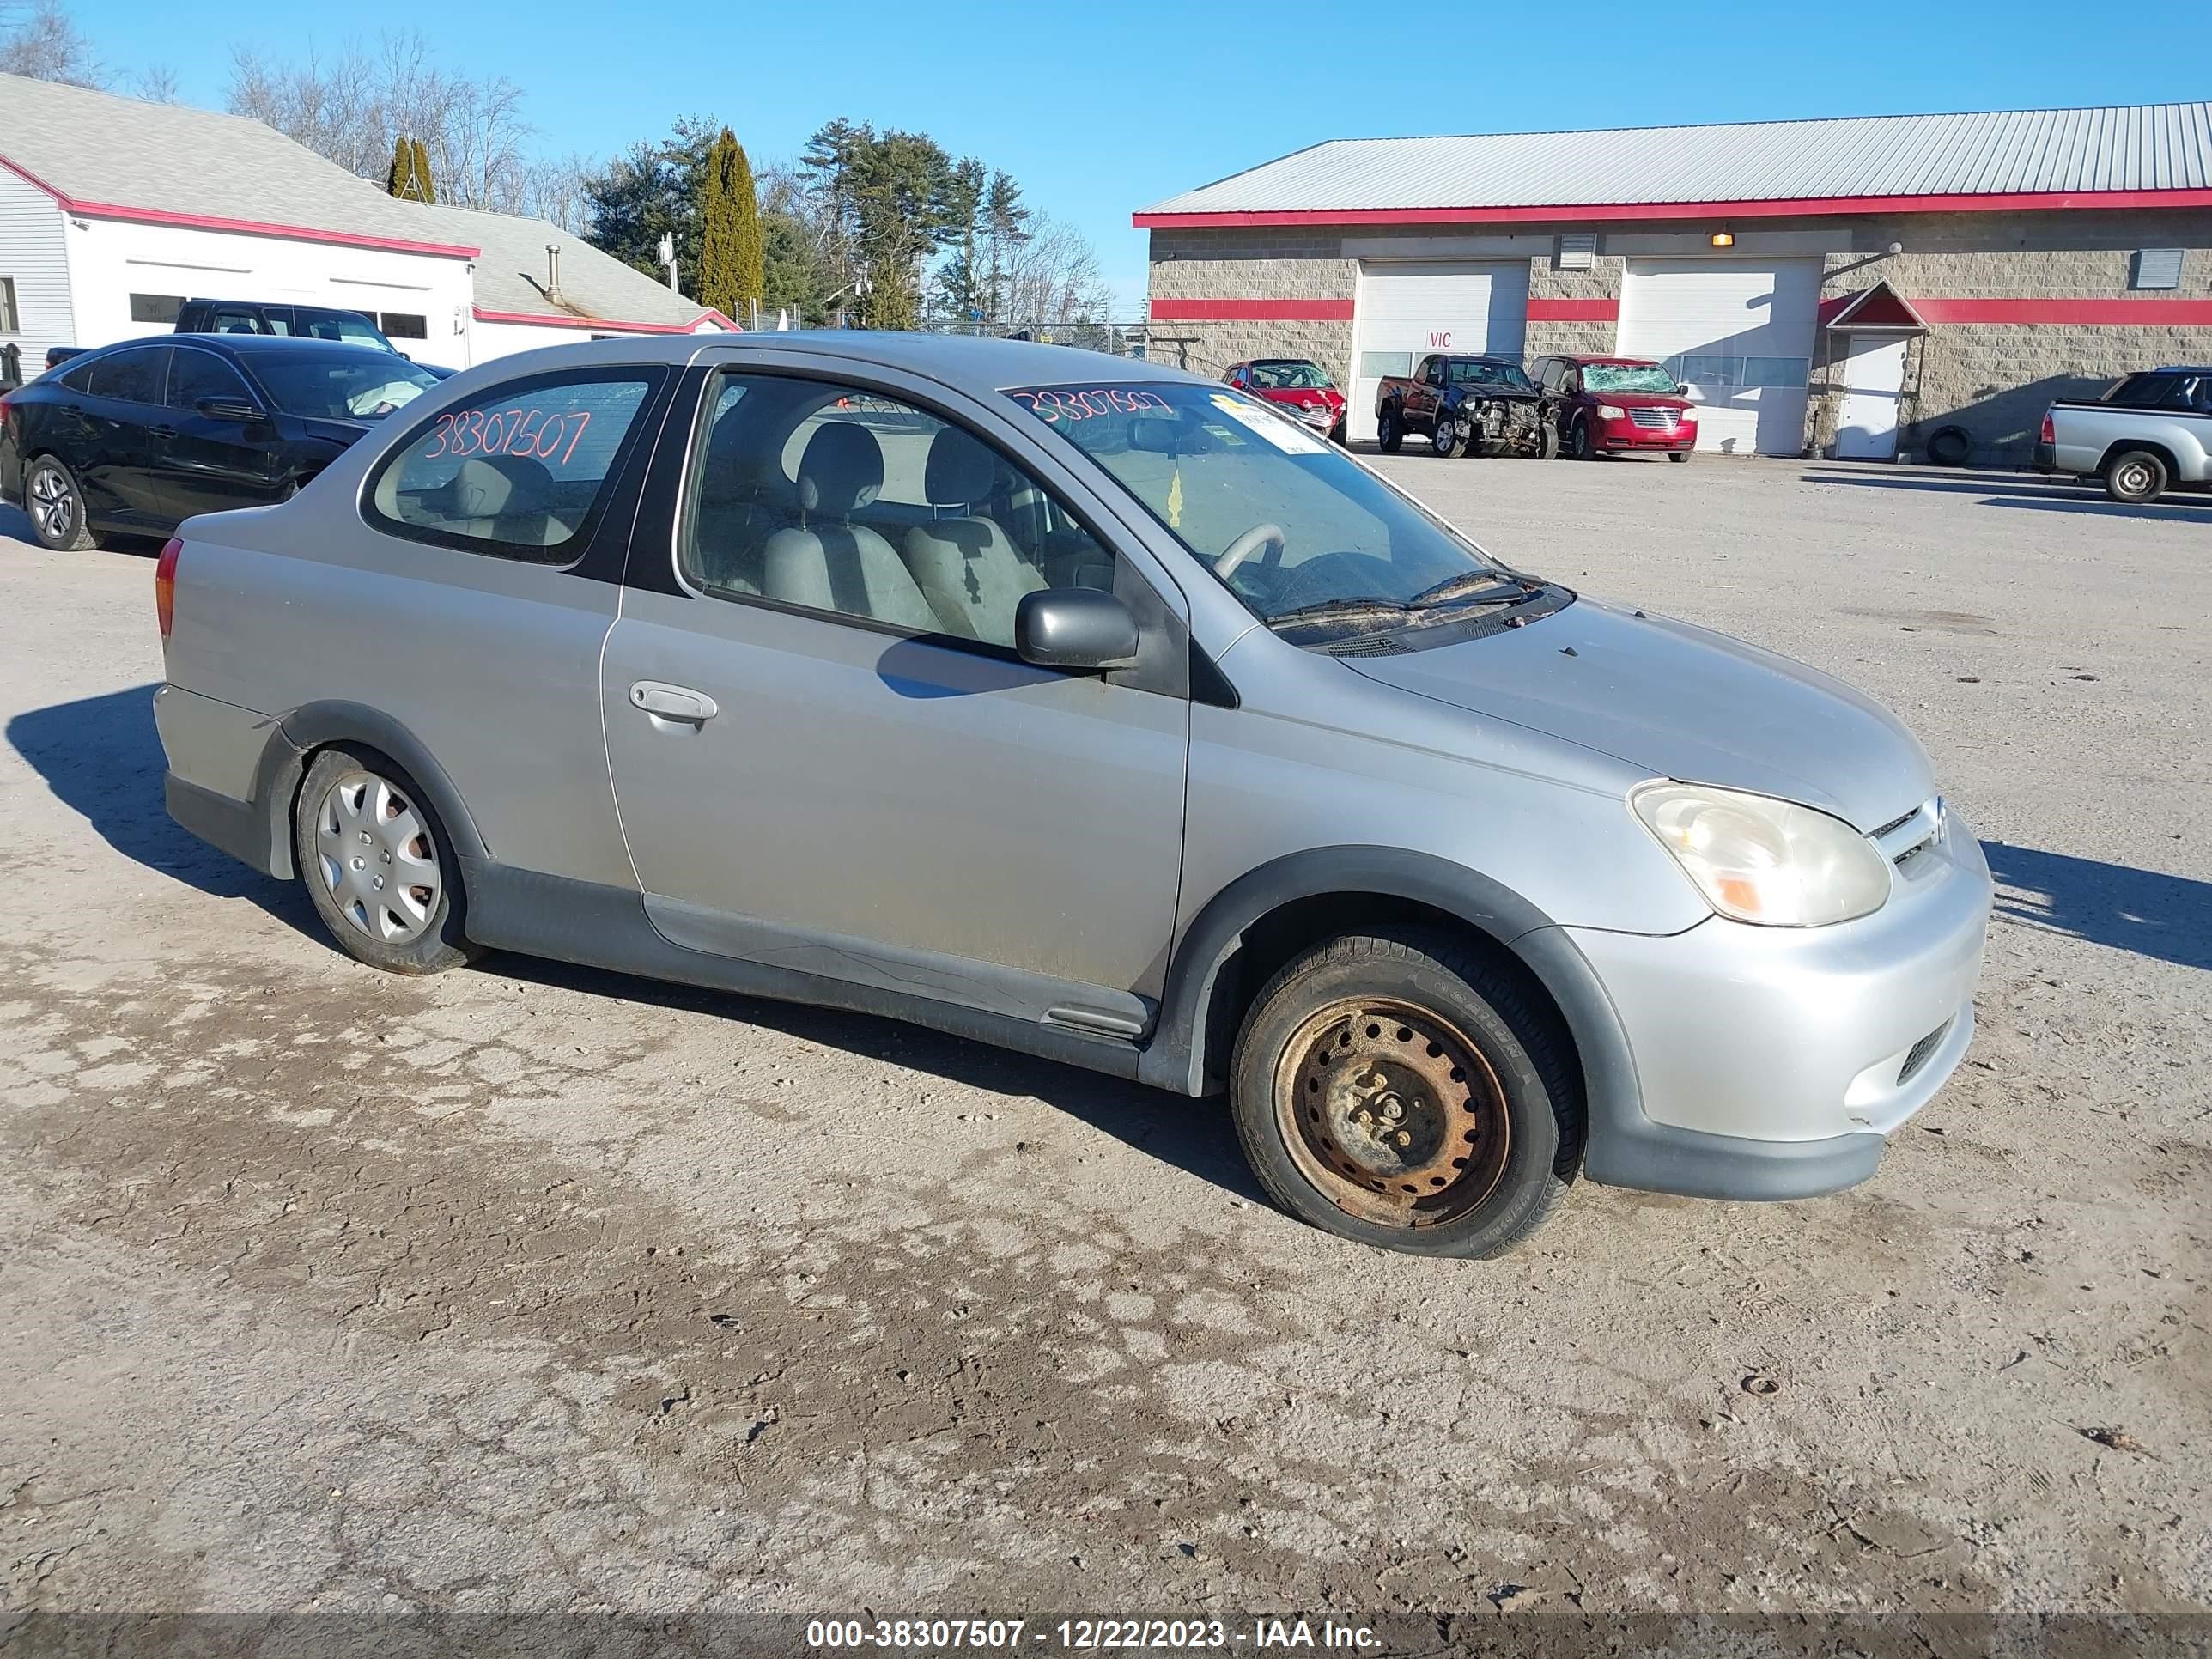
x,y
2150,432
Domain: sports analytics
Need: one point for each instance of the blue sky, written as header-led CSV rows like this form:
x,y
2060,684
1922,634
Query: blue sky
x,y
1100,110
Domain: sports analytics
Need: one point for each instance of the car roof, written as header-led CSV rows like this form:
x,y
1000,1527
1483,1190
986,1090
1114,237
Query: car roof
x,y
256,345
961,360
1608,358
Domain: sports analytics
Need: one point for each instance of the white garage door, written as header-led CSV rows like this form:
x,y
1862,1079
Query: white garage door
x,y
1739,333
1405,309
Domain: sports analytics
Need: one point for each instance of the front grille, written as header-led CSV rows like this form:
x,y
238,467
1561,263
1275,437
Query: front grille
x,y
1916,1056
1657,420
1897,823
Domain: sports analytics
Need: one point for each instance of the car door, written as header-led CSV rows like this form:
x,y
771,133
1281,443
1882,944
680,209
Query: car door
x,y
825,753
119,415
1421,399
199,461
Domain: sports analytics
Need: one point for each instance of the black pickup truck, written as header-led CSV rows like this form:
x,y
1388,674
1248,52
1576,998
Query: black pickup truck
x,y
1483,404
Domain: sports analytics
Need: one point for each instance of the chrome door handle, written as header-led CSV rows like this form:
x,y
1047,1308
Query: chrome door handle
x,y
673,702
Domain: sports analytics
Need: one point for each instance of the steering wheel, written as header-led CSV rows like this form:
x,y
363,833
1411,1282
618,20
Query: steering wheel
x,y
1259,536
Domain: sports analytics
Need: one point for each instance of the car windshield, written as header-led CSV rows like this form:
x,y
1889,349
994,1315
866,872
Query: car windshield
x,y
1474,372
1626,377
1301,533
341,326
1287,377
352,384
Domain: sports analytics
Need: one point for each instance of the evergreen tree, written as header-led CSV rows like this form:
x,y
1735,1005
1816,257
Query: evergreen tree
x,y
400,179
1005,228
424,189
730,249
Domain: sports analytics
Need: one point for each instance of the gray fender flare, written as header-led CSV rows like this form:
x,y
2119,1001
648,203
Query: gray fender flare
x,y
1177,1058
317,724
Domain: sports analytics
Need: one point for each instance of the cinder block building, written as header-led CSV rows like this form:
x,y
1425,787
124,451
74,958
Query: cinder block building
x,y
1870,286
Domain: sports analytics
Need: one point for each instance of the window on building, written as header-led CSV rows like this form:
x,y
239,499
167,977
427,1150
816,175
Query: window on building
x,y
2158,267
520,472
405,325
155,308
11,320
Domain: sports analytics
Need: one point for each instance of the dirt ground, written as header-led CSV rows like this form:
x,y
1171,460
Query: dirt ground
x,y
535,1288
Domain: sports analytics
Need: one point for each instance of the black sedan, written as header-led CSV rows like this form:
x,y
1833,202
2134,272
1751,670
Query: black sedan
x,y
134,438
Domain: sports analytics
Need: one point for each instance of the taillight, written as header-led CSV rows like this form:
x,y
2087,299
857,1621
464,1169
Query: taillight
x,y
165,585
2049,433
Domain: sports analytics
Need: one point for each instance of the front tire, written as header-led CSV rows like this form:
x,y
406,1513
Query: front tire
x,y
1447,437
378,865
1390,431
2135,478
56,506
1547,442
1408,1091
1580,444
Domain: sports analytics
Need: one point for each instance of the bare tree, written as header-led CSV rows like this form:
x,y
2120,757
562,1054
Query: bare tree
x,y
39,39
1053,276
547,188
348,110
157,84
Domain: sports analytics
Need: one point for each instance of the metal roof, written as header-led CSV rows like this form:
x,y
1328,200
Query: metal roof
x,y
106,156
2145,147
511,269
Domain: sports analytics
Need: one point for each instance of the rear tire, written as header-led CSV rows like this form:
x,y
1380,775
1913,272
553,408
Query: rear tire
x,y
1389,432
1679,455
2136,477
55,506
378,864
1404,1090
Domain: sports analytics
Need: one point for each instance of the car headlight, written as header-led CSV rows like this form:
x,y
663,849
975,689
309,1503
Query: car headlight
x,y
1611,412
1758,859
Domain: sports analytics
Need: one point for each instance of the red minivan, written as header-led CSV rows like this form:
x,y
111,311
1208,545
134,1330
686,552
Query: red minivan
x,y
1619,405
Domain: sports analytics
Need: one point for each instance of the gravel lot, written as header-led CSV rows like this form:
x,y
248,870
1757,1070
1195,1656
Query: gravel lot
x,y
537,1288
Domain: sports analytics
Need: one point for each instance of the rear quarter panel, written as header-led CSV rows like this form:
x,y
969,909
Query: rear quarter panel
x,y
492,664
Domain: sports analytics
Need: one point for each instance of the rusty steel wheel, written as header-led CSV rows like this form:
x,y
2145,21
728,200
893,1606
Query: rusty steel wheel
x,y
1409,1089
1391,1113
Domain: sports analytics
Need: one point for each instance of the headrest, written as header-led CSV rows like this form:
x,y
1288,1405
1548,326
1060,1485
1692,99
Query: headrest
x,y
842,469
960,469
490,487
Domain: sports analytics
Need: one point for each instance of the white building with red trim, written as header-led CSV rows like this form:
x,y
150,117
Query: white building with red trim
x,y
1862,287
113,211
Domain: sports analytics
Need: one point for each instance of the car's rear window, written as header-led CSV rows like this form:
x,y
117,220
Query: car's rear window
x,y
520,473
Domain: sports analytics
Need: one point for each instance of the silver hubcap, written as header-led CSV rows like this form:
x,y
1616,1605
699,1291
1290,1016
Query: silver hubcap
x,y
376,858
53,510
1445,432
2135,478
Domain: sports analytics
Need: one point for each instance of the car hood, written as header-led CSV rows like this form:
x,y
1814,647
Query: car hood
x,y
332,430
1305,397
1683,702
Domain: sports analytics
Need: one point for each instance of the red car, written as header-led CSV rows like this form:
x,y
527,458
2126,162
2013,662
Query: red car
x,y
1619,405
1297,384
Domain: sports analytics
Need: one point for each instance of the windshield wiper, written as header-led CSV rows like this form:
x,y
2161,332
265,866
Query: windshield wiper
x,y
1466,588
1323,610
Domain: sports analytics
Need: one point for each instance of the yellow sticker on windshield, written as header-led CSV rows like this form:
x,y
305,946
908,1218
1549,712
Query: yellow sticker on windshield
x,y
1175,499
1284,433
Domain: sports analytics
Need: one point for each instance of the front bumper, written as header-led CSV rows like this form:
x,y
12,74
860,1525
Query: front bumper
x,y
1627,435
1773,1062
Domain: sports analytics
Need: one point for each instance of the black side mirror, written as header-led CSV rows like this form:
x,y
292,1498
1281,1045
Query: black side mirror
x,y
1080,628
1683,390
231,408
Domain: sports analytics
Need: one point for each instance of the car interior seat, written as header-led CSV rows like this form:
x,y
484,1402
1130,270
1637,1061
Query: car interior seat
x,y
827,562
502,498
744,500
970,572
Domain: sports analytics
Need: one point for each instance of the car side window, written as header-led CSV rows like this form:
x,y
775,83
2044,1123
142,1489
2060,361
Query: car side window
x,y
838,500
197,374
520,473
134,376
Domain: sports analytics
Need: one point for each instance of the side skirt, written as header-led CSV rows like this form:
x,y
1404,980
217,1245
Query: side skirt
x,y
599,927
